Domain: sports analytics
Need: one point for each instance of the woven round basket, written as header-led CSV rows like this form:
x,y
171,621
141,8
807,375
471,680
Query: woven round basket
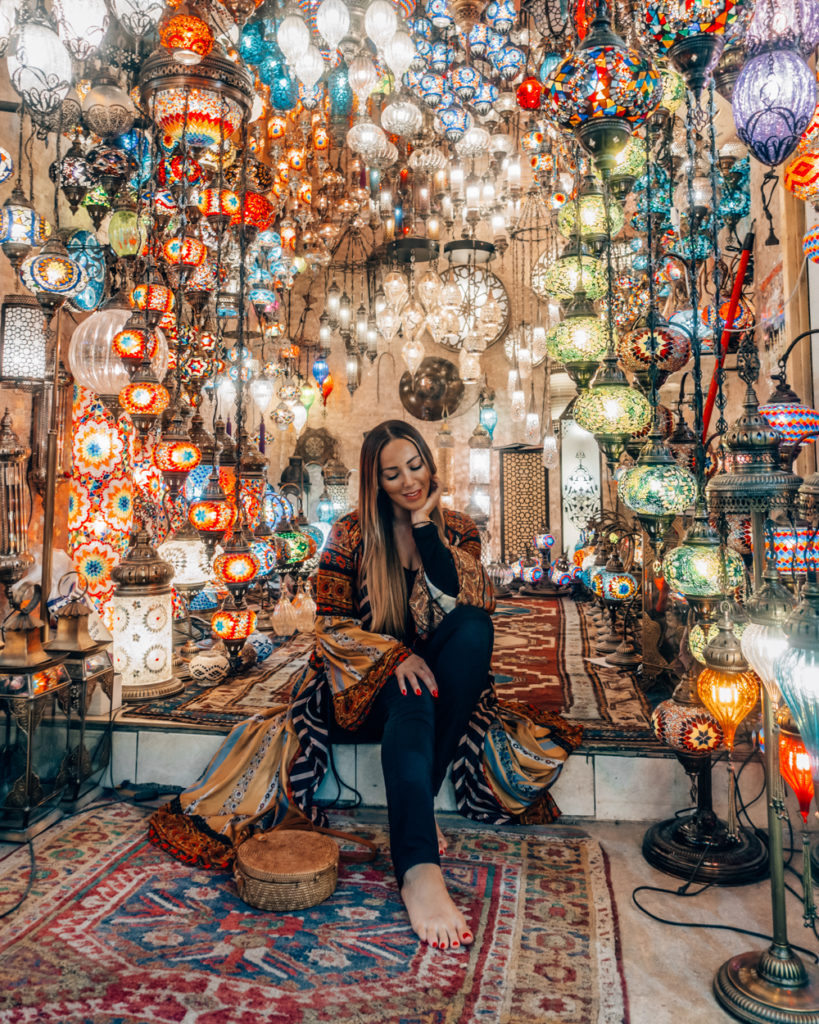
x,y
286,869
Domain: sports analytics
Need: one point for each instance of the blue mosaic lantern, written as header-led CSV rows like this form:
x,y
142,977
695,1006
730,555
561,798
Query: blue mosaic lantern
x,y
453,121
340,92
508,61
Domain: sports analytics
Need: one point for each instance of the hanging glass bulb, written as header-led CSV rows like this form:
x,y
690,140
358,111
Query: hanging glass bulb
x,y
412,316
399,54
39,66
518,411
396,289
8,16
469,364
82,25
551,457
413,354
293,37
363,78
333,21
309,67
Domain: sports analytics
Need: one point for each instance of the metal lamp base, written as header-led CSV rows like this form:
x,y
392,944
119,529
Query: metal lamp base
x,y
743,987
681,847
151,691
39,821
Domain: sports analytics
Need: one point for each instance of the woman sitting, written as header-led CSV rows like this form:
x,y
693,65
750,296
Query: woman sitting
x,y
402,653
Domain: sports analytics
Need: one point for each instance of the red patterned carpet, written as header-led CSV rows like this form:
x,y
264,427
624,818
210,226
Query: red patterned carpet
x,y
116,932
542,653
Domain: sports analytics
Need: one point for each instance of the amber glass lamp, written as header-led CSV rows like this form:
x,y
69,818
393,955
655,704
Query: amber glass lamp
x,y
233,625
144,399
212,515
176,455
237,567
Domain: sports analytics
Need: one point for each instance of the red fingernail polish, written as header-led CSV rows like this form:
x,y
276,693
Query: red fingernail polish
x,y
434,693
417,693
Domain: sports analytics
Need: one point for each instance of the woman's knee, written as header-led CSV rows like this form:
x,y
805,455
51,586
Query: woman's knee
x,y
471,625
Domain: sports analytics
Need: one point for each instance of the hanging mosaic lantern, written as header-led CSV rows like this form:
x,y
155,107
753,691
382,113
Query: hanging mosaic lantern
x,y
611,409
602,91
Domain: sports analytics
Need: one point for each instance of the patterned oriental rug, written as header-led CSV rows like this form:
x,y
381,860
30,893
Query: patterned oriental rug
x,y
543,655
116,932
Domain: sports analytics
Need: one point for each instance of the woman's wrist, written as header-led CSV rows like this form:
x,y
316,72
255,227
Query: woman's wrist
x,y
420,522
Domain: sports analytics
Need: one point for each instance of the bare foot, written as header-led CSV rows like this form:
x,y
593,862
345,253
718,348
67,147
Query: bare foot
x,y
442,843
434,917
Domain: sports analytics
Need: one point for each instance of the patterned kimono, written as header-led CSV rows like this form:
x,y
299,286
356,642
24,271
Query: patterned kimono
x,y
269,767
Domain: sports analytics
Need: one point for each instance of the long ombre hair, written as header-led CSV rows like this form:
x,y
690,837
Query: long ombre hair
x,y
381,566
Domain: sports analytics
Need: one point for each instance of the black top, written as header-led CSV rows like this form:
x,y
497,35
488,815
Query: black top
x,y
439,565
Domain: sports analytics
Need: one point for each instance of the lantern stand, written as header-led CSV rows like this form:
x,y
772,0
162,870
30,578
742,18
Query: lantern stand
x,y
30,680
88,663
775,984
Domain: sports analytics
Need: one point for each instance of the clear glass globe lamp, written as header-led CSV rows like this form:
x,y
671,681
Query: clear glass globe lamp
x,y
797,669
333,21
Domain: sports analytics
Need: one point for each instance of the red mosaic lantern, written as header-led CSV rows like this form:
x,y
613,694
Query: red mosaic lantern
x,y
186,253
233,625
174,169
794,764
131,344
188,38
154,300
144,399
529,94
176,457
236,568
259,212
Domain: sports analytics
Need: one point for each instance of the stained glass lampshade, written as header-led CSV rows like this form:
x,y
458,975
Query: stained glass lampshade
x,y
664,346
39,66
187,36
570,273
602,90
53,275
629,164
692,33
233,625
591,208
763,640
185,551
801,175
154,300
611,409
797,670
656,488
774,100
727,686
578,343
795,767
212,515
236,567
21,227
185,253
701,567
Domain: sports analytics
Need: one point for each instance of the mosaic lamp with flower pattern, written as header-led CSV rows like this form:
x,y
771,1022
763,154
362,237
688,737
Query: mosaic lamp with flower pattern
x,y
143,622
656,488
53,275
611,409
702,569
602,91
212,515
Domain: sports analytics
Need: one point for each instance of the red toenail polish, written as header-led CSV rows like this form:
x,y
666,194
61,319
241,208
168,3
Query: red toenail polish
x,y
466,935
454,942
435,944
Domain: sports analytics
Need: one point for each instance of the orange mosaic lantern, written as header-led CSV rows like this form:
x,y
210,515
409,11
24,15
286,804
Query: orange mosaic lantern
x,y
176,457
131,344
258,212
187,36
236,568
802,175
144,399
218,204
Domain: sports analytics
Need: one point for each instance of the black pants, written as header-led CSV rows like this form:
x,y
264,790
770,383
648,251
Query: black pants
x,y
419,734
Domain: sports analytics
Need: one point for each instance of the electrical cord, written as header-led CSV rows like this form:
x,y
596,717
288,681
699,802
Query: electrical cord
x,y
683,890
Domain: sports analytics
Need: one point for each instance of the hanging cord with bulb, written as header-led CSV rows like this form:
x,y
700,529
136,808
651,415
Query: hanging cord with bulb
x,y
652,338
717,326
696,345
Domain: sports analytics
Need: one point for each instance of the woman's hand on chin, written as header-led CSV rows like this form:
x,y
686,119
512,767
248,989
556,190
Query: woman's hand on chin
x,y
413,672
421,515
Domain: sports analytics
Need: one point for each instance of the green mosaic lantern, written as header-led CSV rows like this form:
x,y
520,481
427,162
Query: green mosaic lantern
x,y
571,273
656,488
701,568
611,409
629,165
578,342
590,207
